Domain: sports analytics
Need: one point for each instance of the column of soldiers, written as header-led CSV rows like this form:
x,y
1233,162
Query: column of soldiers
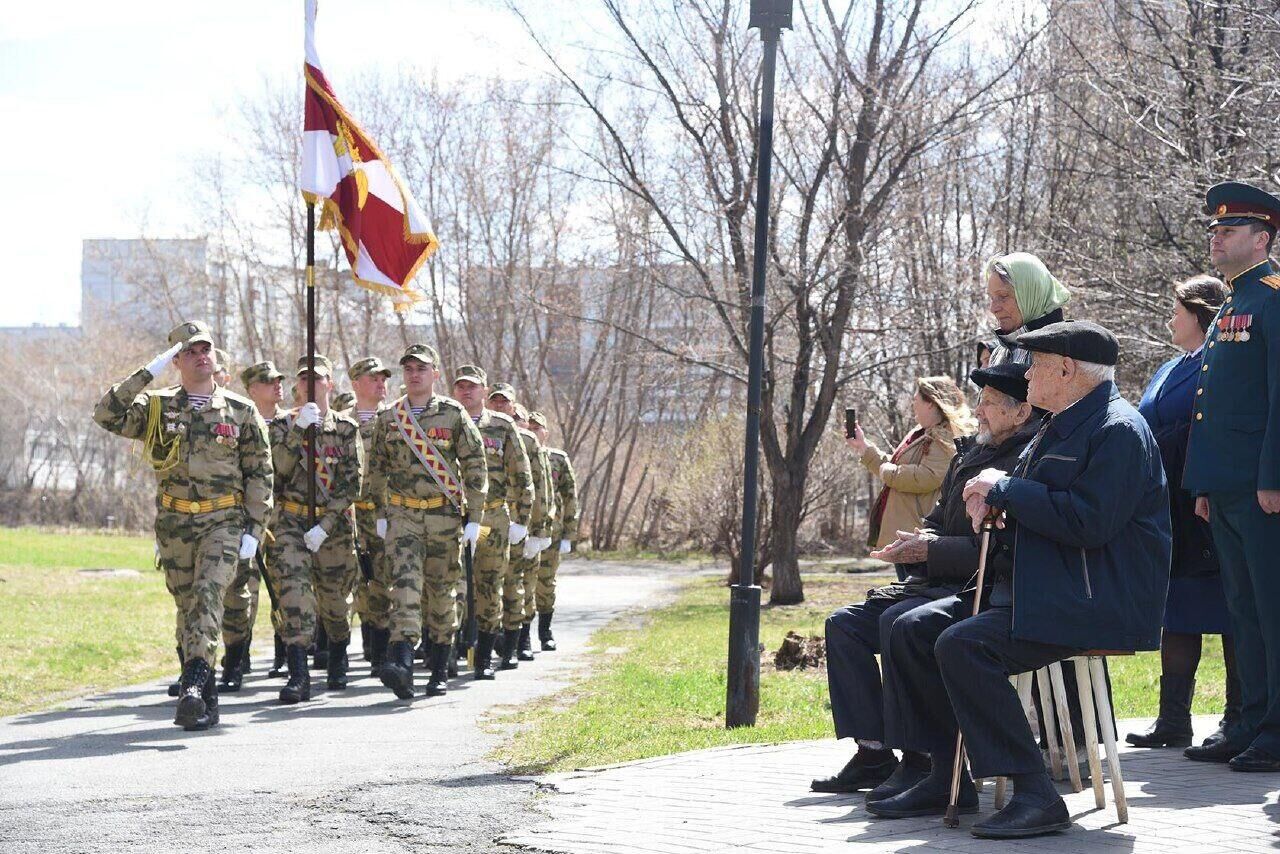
x,y
406,494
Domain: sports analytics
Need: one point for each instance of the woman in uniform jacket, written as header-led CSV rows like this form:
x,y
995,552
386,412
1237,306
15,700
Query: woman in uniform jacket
x,y
1195,605
913,473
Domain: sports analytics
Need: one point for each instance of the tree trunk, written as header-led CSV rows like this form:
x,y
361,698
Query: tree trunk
x,y
784,525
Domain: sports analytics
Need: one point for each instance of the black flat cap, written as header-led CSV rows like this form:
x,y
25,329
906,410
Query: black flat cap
x,y
1007,377
1076,339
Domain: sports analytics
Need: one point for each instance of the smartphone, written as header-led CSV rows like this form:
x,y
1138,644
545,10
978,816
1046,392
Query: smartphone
x,y
850,422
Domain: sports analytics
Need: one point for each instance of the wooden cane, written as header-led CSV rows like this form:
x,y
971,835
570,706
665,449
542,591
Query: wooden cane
x,y
952,818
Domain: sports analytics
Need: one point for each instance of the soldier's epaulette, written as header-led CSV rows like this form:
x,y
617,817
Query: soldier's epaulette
x,y
502,417
528,434
347,417
239,400
1272,282
449,402
557,452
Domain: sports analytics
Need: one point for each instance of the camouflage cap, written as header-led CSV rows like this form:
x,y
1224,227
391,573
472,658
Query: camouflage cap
x,y
538,419
345,400
190,332
324,368
263,372
222,359
367,366
471,373
424,353
503,390
522,414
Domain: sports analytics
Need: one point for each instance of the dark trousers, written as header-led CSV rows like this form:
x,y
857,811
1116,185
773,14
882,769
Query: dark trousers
x,y
854,635
1248,541
947,668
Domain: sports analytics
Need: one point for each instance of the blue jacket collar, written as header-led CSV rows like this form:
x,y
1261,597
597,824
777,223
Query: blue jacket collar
x,y
1065,422
1257,271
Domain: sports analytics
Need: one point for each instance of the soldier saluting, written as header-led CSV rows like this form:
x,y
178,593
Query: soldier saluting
x,y
427,481
208,448
1233,462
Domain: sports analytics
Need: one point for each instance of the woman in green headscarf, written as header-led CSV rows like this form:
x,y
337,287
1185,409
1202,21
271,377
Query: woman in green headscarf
x,y
1023,295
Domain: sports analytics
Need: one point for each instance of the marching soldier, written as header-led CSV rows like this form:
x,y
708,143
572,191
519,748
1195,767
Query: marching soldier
x,y
564,487
1233,462
506,515
518,597
427,481
369,381
208,447
313,566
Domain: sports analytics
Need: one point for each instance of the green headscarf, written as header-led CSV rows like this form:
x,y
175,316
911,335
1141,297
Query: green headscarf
x,y
1034,287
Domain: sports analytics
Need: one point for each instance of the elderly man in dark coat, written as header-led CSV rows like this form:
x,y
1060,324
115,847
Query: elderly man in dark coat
x,y
1086,520
938,557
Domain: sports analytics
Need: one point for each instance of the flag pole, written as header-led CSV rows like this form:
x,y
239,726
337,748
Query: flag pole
x,y
311,359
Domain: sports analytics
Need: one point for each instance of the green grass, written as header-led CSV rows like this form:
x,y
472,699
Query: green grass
x,y
64,634
659,687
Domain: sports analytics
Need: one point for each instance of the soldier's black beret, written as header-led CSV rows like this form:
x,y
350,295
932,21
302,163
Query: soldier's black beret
x,y
1007,377
1076,339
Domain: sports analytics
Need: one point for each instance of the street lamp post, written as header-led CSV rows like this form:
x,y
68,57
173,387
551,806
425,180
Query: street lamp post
x,y
742,700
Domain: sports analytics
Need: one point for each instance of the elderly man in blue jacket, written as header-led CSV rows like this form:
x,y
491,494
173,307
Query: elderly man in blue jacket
x,y
1081,561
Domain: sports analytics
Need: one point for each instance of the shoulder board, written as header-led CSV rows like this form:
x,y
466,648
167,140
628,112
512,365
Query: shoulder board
x,y
447,402
502,418
1272,282
238,400
557,452
347,417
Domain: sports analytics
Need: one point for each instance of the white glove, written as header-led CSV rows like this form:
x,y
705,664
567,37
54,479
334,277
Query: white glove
x,y
531,547
516,533
544,543
380,527
471,534
308,414
315,538
158,363
565,547
248,546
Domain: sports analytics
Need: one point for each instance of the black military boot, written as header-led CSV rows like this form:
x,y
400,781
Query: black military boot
x,y
175,687
483,668
366,640
378,639
246,660
438,684
545,637
525,650
510,643
210,695
423,651
321,659
233,667
298,688
397,671
192,713
1230,714
1172,728
337,674
278,665
452,659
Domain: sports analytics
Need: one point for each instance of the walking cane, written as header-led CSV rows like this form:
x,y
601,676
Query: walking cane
x,y
952,818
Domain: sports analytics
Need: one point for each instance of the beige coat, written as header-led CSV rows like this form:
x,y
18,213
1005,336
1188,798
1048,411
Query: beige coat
x,y
914,481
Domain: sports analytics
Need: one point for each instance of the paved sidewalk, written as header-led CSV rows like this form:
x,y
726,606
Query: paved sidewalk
x,y
355,772
757,798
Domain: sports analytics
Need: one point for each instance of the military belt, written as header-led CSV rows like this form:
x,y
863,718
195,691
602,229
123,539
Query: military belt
x,y
182,505
495,504
433,503
363,505
298,509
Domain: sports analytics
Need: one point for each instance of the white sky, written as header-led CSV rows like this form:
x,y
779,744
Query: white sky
x,y
105,104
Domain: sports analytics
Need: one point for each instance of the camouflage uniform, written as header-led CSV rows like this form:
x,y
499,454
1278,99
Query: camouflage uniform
x,y
541,526
213,473
423,541
565,489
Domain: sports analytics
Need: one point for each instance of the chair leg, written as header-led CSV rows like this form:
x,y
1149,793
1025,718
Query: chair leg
x,y
1050,735
1105,720
1064,720
1085,686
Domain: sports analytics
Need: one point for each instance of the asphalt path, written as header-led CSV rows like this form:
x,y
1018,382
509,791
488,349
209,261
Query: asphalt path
x,y
350,771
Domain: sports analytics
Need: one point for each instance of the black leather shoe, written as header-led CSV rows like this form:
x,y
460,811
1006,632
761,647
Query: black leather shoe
x,y
1254,759
860,772
397,671
913,768
1019,820
191,705
233,667
1221,752
923,800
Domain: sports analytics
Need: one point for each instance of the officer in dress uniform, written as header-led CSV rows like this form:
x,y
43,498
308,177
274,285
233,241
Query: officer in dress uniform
x,y
1233,462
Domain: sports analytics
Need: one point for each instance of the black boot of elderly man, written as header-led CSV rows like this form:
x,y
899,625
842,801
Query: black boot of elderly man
x,y
545,637
1035,809
438,684
867,769
298,688
192,711
397,671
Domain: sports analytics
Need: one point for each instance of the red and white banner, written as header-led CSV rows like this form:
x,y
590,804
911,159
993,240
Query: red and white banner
x,y
386,235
